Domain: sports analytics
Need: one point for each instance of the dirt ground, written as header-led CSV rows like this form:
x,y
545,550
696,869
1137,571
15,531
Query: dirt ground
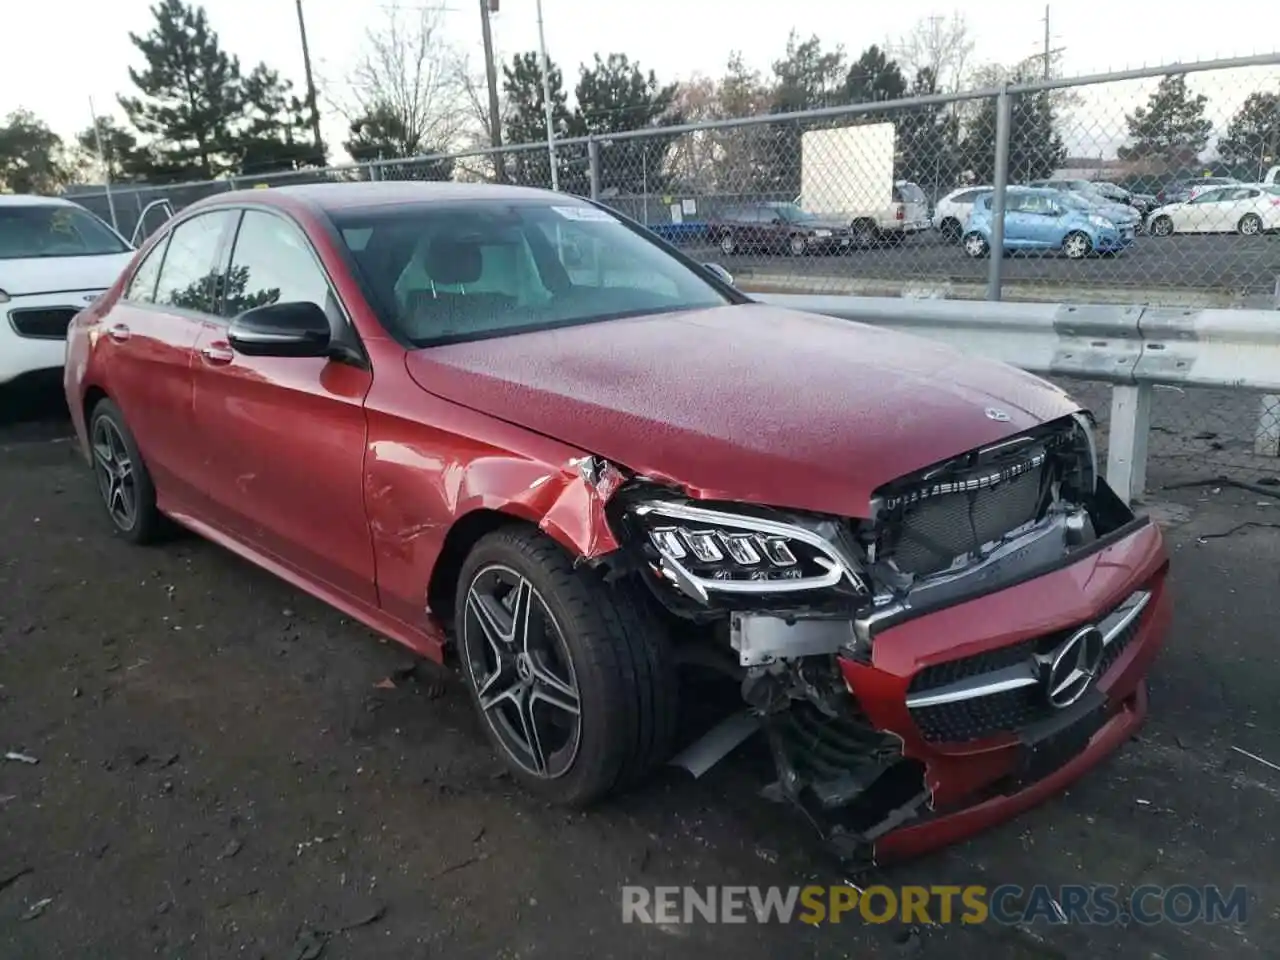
x,y
221,775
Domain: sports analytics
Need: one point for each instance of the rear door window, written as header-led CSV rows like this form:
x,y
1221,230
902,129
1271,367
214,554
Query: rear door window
x,y
191,262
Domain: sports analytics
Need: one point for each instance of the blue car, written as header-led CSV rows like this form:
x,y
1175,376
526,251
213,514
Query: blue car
x,y
1042,219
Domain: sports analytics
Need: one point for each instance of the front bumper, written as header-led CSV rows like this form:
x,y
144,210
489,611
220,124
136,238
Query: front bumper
x,y
33,331
1114,241
975,783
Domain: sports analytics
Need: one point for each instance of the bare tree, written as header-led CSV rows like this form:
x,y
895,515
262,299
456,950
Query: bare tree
x,y
941,45
406,98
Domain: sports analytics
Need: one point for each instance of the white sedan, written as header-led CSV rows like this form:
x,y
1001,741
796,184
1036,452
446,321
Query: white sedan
x,y
1245,208
55,258
951,215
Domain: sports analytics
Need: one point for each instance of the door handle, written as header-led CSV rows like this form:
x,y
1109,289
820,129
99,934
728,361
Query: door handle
x,y
217,354
118,332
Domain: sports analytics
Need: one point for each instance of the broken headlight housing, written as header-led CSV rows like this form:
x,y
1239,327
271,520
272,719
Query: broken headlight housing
x,y
705,552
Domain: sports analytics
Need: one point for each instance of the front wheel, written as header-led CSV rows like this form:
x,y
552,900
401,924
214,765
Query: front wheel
x,y
797,246
1162,227
975,245
728,245
1077,246
572,677
1250,225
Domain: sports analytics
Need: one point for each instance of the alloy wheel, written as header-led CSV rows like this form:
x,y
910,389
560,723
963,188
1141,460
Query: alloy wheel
x,y
728,245
1076,246
798,246
113,468
1162,227
1250,225
974,245
522,672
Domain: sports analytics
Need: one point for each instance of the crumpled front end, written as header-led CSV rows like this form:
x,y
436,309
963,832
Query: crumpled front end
x,y
933,666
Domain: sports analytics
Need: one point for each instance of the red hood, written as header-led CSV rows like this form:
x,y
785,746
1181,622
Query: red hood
x,y
750,403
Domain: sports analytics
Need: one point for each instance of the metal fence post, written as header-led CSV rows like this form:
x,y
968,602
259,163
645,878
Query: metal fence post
x,y
1127,442
1004,117
375,172
593,160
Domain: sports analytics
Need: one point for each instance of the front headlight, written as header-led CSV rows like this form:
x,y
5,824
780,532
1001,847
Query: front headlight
x,y
822,233
1102,222
704,552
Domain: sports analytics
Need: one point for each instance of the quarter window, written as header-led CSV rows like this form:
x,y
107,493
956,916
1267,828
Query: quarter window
x,y
191,263
142,288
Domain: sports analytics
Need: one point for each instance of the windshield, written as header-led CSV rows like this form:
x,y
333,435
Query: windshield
x,y
49,230
440,273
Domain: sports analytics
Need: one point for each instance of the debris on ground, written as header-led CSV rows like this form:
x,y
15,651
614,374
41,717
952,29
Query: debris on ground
x,y
36,909
386,683
231,849
12,878
1254,756
17,757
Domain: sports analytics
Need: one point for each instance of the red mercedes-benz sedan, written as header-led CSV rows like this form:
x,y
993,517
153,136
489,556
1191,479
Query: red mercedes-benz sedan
x,y
513,424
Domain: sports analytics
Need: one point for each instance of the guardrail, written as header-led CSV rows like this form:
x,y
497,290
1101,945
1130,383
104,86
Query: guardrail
x,y
1134,349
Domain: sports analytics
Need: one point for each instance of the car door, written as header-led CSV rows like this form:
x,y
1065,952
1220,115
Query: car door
x,y
146,349
1018,221
1204,213
285,436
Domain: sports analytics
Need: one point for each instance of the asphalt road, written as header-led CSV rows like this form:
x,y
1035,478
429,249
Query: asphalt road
x,y
1248,265
224,772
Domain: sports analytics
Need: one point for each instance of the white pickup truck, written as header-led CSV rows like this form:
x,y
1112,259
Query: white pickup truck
x,y
846,174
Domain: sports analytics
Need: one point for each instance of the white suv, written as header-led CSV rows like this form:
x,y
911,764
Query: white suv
x,y
55,258
951,215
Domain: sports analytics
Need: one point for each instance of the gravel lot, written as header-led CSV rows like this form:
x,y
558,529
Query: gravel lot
x,y
221,775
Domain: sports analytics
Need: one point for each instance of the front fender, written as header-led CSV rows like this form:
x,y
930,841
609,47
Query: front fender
x,y
419,483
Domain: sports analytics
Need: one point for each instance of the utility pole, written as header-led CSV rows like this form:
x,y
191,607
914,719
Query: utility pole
x,y
1049,51
546,101
311,83
491,77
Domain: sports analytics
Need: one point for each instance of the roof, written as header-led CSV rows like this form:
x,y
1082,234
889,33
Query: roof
x,y
338,196
32,200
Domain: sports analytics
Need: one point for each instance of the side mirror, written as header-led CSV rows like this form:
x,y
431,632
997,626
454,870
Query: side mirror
x,y
294,329
723,275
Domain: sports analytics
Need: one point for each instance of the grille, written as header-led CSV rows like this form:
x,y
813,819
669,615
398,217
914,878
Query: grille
x,y
1007,712
45,323
936,530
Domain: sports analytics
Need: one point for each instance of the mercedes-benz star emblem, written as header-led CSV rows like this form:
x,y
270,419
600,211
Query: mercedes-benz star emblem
x,y
998,415
1074,666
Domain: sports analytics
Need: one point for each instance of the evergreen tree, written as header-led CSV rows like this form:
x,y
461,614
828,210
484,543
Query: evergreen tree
x,y
192,95
1252,142
31,155
1172,126
524,119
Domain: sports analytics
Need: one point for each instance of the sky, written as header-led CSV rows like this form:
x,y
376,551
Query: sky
x,y
676,38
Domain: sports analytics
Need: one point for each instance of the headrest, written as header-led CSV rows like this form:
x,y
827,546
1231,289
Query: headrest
x,y
451,261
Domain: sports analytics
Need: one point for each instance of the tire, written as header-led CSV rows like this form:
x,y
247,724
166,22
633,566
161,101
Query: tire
x,y
1077,245
124,483
951,230
797,246
589,640
728,245
864,233
1161,227
975,245
1250,225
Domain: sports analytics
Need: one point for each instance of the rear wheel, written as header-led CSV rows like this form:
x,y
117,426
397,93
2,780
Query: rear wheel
x,y
1077,245
728,245
572,677
124,483
1250,225
865,233
1162,227
975,245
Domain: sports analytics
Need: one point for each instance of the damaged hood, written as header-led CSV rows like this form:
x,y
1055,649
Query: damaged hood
x,y
750,403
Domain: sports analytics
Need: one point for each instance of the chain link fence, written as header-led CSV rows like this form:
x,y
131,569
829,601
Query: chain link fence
x,y
1152,187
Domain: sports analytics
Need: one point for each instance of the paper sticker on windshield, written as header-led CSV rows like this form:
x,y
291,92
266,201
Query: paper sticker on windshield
x,y
584,213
